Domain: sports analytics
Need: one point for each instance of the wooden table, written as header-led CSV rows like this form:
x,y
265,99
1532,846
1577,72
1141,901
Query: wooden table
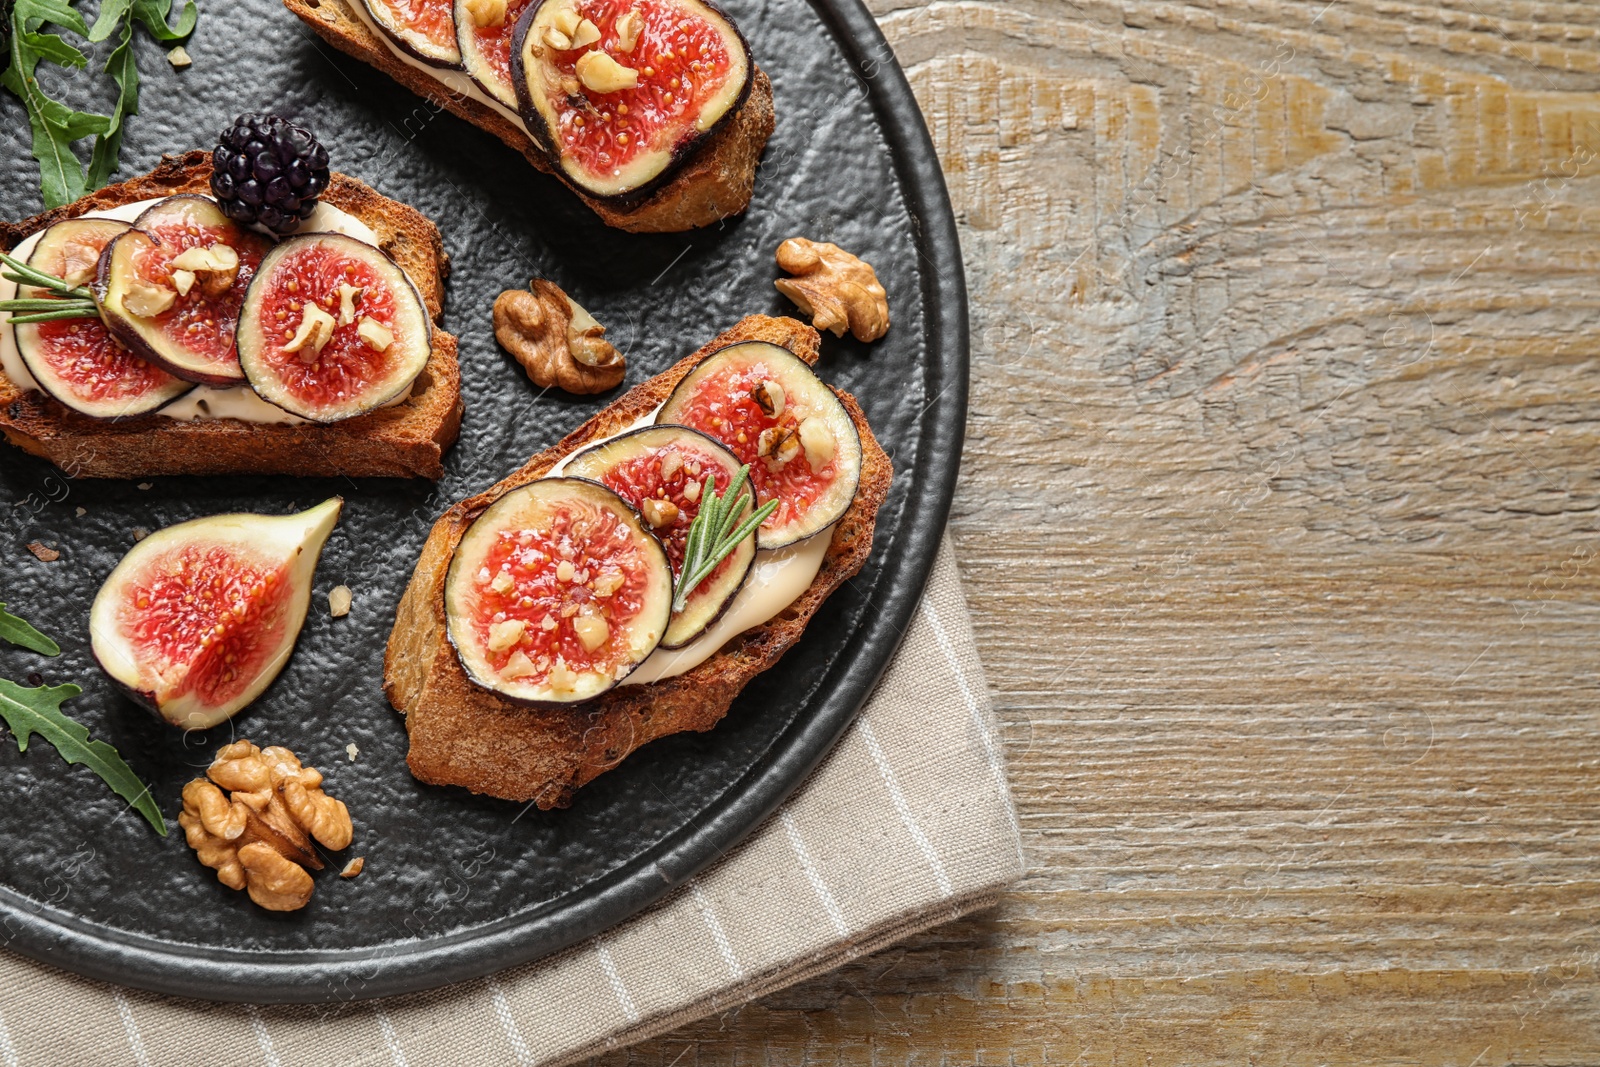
x,y
1285,429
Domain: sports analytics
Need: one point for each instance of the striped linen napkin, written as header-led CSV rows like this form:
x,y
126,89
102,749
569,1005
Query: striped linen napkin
x,y
907,824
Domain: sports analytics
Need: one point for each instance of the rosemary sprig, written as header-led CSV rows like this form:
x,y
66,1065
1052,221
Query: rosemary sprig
x,y
71,301
23,274
67,310
717,531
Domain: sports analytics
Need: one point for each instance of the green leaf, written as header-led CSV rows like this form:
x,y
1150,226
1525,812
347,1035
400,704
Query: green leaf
x,y
19,632
34,13
55,126
38,711
152,15
113,14
108,146
49,46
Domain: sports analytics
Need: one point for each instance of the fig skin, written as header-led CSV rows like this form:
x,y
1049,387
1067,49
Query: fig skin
x,y
299,538
534,702
681,153
132,338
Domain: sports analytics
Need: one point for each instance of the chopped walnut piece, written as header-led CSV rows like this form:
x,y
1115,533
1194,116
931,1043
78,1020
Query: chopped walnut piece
x,y
659,513
258,837
147,301
818,441
838,291
629,25
778,444
42,553
557,342
354,867
339,600
592,631
216,268
486,12
585,35
599,73
316,330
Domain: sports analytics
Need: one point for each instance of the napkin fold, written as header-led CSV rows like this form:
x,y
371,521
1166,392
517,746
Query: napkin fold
x,y
907,824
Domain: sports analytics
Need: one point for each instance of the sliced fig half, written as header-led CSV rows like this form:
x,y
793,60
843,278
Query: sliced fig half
x,y
556,592
422,28
775,414
170,287
661,471
484,30
332,328
620,93
78,361
199,618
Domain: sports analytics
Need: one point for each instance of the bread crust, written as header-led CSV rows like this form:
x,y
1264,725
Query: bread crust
x,y
464,735
405,441
716,183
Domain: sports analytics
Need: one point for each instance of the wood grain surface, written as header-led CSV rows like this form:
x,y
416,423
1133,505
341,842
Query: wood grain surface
x,y
1285,434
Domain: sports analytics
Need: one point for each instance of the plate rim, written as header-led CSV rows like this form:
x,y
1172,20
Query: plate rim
x,y
49,935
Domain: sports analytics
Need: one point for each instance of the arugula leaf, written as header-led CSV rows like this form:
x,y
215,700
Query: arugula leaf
x,y
19,632
62,177
112,13
152,15
123,71
38,711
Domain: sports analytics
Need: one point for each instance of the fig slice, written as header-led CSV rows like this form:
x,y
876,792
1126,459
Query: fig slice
x,y
199,618
620,93
170,287
556,592
78,361
484,30
425,29
774,413
332,328
661,471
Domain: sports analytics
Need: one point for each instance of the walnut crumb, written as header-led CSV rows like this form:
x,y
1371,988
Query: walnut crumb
x,y
354,867
352,751
339,600
82,512
146,485
43,553
140,533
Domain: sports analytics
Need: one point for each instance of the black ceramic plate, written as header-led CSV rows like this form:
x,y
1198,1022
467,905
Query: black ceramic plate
x,y
457,886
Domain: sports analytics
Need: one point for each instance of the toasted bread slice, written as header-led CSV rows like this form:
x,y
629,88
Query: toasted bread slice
x,y
464,735
713,185
404,441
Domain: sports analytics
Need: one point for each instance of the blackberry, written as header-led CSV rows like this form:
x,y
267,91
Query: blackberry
x,y
266,169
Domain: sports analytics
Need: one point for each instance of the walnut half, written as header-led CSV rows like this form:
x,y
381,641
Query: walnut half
x,y
838,291
258,837
556,341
